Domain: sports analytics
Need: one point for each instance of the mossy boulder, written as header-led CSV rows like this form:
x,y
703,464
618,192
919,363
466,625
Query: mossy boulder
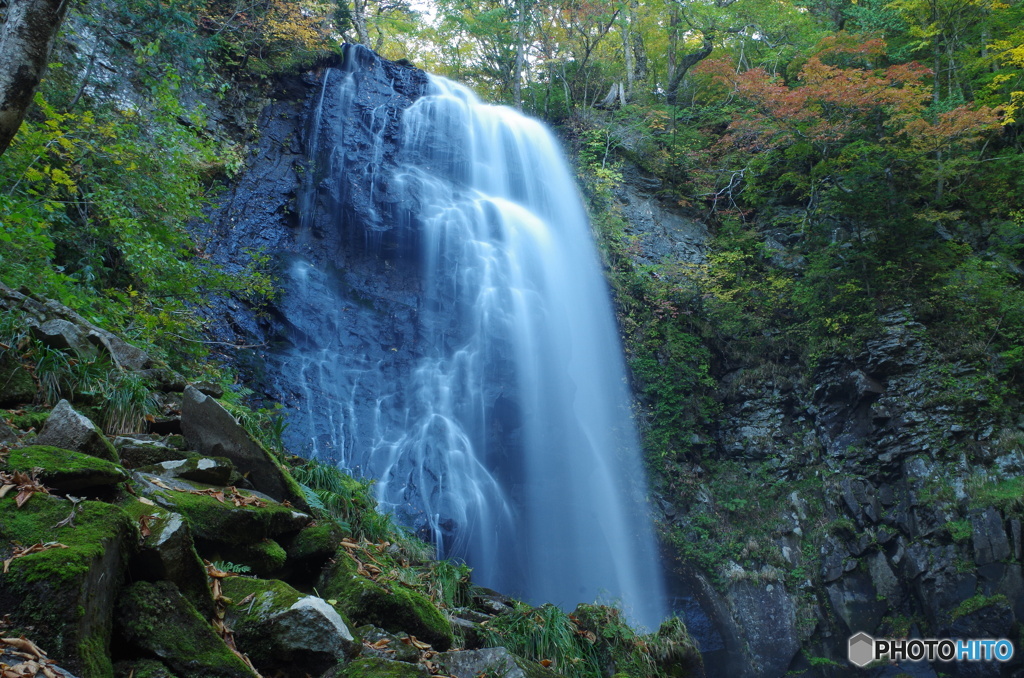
x,y
70,430
210,470
155,620
373,667
66,470
391,607
17,387
284,631
137,453
265,558
220,521
168,553
316,543
65,595
394,649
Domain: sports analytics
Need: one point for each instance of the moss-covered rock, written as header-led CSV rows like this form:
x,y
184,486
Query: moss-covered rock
x,y
66,470
394,649
220,521
393,607
136,454
372,667
282,630
210,470
168,552
65,595
491,661
316,542
155,620
17,387
265,558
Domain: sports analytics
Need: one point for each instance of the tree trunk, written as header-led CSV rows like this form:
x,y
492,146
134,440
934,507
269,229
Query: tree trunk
x,y
26,40
683,65
517,75
359,22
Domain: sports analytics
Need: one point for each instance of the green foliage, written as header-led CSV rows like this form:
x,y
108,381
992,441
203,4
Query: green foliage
x,y
978,602
544,633
959,530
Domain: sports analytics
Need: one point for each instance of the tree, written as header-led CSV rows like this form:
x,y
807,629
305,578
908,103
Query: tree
x,y
26,41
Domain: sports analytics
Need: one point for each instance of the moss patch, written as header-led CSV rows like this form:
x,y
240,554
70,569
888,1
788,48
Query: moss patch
x,y
156,620
142,668
28,420
377,668
393,608
64,469
16,384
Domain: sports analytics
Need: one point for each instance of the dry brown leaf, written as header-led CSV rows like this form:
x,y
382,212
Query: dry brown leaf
x,y
144,522
380,644
146,501
22,551
23,644
545,663
5,489
418,644
159,483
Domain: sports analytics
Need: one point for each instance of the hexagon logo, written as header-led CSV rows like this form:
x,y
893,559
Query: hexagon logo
x,y
861,650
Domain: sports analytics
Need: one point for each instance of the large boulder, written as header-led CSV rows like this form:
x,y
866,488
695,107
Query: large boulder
x,y
64,335
155,620
211,430
64,592
284,631
70,430
390,606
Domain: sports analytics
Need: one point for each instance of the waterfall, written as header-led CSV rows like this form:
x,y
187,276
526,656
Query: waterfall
x,y
497,422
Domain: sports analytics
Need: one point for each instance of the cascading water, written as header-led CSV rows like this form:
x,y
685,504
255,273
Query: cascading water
x,y
505,436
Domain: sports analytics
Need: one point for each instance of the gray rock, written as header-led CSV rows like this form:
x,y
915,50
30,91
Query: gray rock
x,y
64,335
491,661
70,430
989,537
856,602
283,630
768,618
211,430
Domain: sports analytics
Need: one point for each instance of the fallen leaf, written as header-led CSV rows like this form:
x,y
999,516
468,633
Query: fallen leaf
x,y
418,644
380,644
144,525
22,551
159,483
147,502
545,663
24,644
